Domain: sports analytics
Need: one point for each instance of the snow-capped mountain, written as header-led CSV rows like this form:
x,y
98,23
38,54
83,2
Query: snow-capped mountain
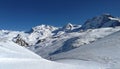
x,y
64,41
13,56
48,40
70,27
105,20
71,41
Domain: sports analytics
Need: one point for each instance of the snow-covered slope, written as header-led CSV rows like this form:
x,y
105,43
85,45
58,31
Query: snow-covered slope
x,y
106,50
70,41
13,56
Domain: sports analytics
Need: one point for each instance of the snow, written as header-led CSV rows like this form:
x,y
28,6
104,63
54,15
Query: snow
x,y
116,19
105,51
89,64
69,41
57,42
13,56
94,45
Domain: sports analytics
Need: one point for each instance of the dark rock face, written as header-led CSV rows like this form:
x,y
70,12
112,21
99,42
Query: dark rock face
x,y
20,41
100,21
39,41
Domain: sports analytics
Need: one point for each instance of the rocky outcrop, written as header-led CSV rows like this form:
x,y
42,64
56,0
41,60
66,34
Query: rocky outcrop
x,y
20,41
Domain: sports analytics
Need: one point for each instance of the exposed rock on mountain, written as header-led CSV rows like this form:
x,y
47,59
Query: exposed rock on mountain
x,y
20,41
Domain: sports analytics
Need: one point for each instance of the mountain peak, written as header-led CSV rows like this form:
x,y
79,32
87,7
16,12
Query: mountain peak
x,y
68,26
43,27
103,20
107,14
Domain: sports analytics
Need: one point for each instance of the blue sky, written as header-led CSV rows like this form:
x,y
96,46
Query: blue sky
x,y
24,14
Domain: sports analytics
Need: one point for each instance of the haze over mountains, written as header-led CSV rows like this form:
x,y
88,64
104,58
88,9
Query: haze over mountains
x,y
96,42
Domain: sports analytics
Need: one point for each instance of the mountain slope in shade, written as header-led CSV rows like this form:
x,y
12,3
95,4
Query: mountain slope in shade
x,y
106,50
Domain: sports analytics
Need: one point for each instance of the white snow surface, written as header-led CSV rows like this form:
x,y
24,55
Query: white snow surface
x,y
116,19
106,51
13,56
67,41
